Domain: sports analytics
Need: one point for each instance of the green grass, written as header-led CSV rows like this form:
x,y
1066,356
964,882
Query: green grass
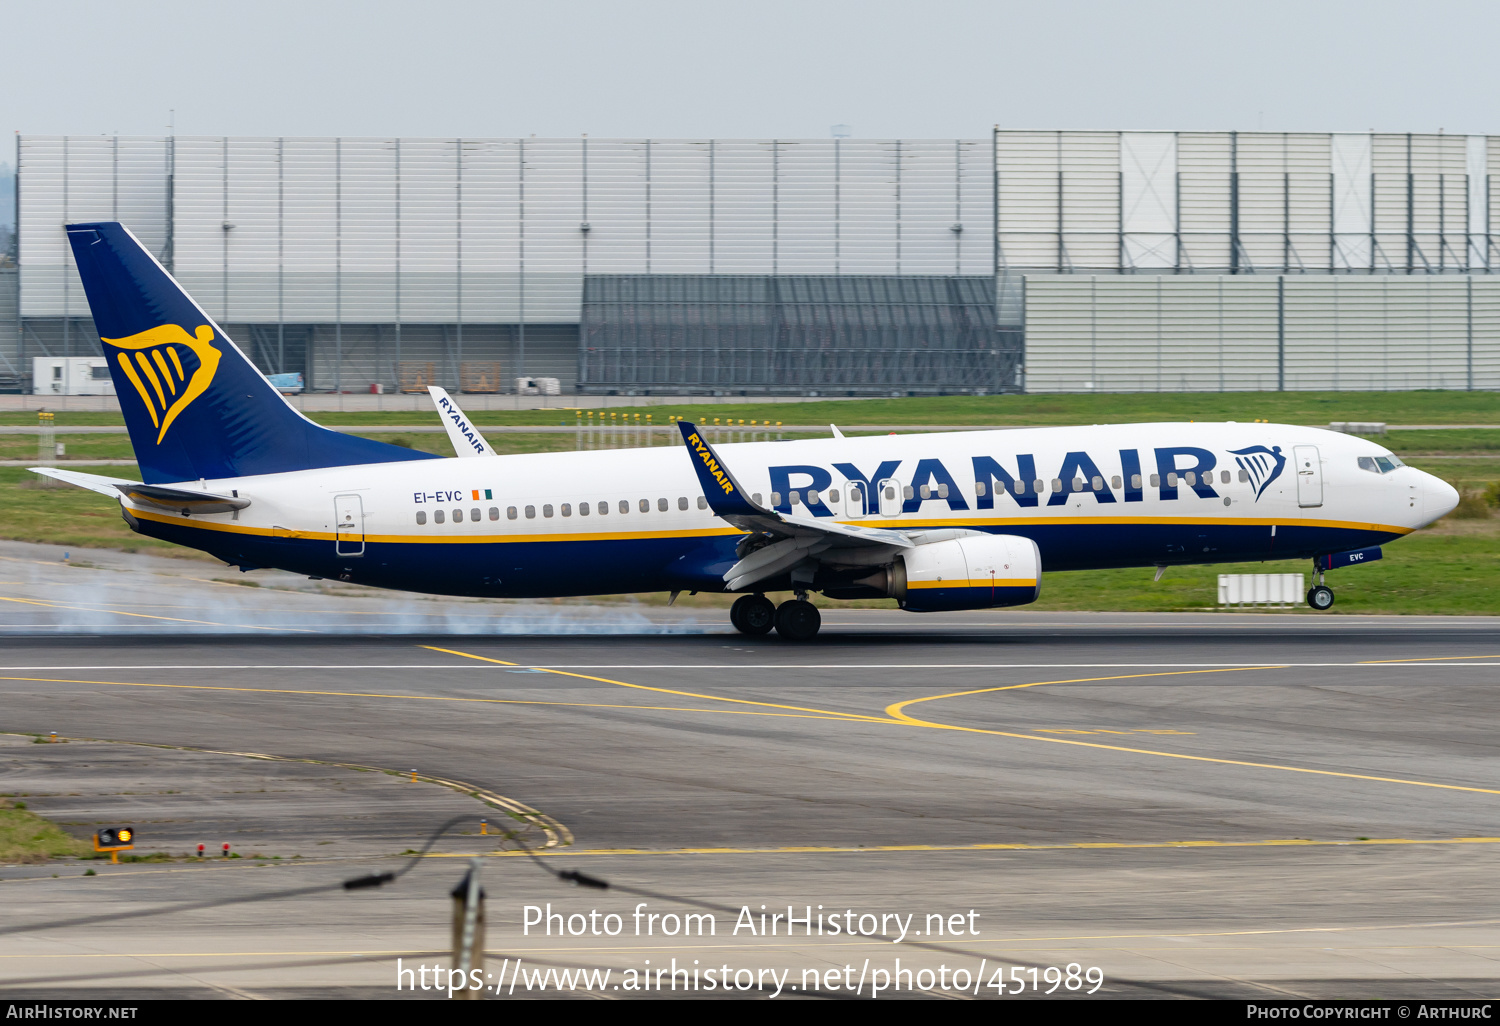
x,y
1428,407
1450,568
26,837
37,509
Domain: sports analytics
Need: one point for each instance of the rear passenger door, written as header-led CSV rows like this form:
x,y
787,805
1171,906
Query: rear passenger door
x,y
348,525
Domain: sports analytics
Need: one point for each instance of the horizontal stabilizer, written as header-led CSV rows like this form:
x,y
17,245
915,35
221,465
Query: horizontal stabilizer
x,y
93,482
178,500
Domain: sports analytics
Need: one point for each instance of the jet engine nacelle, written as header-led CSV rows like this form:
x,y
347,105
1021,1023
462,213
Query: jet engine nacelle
x,y
970,572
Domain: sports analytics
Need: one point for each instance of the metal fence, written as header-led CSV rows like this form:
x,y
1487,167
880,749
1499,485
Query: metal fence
x,y
783,333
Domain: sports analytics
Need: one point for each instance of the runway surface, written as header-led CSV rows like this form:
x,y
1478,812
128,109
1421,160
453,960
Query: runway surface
x,y
1271,805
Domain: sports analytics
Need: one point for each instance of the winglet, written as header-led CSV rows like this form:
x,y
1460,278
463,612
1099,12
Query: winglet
x,y
466,439
726,496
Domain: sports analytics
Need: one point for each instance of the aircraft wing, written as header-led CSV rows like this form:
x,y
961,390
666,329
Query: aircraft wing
x,y
785,540
466,439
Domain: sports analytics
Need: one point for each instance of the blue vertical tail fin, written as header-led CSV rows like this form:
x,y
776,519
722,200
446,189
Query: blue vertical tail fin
x,y
195,406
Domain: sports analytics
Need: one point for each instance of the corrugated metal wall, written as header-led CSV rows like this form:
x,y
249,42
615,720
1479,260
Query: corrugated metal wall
x,y
790,333
76,178
1242,202
10,323
1261,332
446,230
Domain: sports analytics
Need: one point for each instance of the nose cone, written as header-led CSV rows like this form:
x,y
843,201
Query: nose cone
x,y
1438,497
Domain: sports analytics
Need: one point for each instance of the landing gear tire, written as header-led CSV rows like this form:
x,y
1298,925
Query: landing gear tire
x,y
797,620
753,614
1320,597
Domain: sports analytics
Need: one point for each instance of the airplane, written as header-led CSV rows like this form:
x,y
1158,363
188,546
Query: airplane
x,y
936,521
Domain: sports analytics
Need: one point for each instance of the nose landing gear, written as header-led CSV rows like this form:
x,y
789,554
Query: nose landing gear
x,y
1320,595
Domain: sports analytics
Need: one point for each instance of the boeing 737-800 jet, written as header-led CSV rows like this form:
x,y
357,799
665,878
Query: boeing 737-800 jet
x,y
962,520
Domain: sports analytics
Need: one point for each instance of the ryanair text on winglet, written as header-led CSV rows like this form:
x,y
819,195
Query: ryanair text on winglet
x,y
711,464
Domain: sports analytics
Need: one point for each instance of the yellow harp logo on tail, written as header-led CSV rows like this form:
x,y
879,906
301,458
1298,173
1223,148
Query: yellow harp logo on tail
x,y
155,367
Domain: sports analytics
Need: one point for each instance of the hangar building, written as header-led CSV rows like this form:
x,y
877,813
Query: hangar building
x,y
1035,260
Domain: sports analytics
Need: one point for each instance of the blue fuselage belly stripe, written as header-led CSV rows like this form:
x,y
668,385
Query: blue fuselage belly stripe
x,y
612,566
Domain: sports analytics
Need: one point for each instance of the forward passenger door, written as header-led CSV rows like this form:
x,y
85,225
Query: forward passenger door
x,y
1309,475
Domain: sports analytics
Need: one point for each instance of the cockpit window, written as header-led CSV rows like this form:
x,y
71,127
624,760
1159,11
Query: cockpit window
x,y
1380,464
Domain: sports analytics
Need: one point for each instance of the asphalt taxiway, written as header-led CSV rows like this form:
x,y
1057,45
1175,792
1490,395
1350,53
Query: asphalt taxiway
x,y
1271,805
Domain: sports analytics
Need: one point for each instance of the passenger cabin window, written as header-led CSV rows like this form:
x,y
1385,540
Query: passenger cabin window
x,y
567,509
510,513
796,498
1037,486
1135,482
776,498
583,509
458,516
925,492
1057,484
906,492
1155,480
474,515
682,502
1191,477
1223,477
437,516
1098,484
530,512
494,512
979,488
1115,481
421,517
645,505
662,505
1244,476
1171,480
603,509
624,505
703,501
546,509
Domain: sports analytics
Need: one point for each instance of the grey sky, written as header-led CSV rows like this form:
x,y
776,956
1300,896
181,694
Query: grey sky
x,y
766,68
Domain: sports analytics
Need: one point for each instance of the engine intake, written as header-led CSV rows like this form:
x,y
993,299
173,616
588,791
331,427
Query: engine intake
x,y
976,572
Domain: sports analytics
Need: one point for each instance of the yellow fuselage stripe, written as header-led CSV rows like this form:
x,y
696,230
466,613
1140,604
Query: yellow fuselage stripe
x,y
709,532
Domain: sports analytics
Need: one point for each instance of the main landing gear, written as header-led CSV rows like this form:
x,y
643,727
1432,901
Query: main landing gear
x,y
1320,596
795,620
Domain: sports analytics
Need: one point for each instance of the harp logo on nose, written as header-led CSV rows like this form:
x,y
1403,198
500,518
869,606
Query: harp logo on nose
x,y
169,369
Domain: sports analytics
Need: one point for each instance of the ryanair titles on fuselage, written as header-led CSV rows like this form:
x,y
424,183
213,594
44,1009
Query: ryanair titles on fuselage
x,y
1171,469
